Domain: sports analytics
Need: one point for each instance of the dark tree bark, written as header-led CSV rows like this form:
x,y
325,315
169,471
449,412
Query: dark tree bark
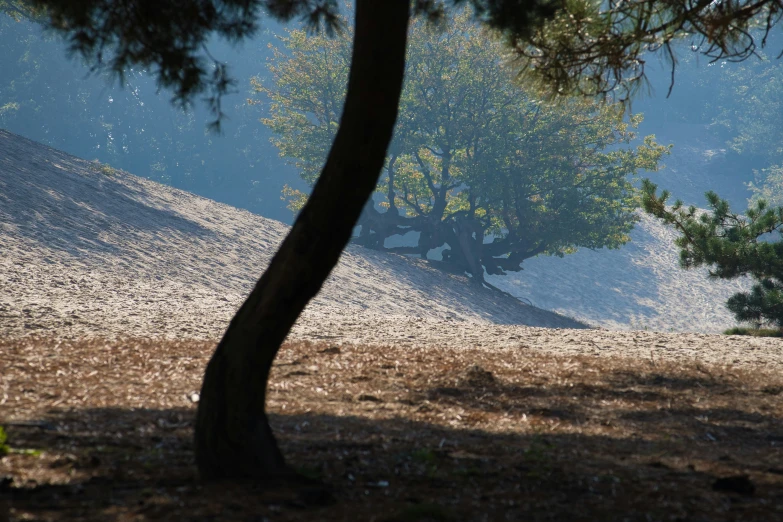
x,y
233,438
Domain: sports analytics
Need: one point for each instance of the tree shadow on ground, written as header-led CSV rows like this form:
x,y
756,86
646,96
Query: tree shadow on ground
x,y
712,410
399,434
394,469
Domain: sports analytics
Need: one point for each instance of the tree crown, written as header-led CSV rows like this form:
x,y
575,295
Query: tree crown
x,y
473,153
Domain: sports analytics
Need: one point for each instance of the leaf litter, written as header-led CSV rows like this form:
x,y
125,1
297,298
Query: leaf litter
x,y
448,434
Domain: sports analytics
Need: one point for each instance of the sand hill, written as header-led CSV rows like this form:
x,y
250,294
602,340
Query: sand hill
x,y
88,250
639,286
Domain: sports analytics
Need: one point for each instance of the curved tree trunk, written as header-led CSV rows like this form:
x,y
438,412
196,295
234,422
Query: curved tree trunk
x,y
232,436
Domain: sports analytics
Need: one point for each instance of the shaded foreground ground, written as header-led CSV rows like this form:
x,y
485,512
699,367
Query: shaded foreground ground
x,y
399,434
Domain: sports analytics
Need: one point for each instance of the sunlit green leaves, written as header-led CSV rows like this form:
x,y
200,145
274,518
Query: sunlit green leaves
x,y
595,47
472,149
305,97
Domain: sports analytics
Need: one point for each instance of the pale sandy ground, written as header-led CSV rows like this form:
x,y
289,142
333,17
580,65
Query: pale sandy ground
x,y
638,286
86,253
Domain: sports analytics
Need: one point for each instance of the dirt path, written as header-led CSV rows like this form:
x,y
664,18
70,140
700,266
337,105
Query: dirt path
x,y
398,434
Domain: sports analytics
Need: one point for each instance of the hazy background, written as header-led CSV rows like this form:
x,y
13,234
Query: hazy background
x,y
49,98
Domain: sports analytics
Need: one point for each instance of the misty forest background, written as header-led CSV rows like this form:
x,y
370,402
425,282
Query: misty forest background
x,y
59,102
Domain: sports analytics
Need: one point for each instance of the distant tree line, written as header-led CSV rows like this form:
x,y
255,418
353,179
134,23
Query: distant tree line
x,y
740,104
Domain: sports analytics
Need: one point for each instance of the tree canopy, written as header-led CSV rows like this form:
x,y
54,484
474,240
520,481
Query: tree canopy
x,y
478,165
584,46
171,37
601,48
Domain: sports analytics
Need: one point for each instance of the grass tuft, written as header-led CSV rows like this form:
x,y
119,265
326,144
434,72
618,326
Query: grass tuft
x,y
754,332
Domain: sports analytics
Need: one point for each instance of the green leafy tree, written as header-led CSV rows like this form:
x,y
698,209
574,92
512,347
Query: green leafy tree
x,y
732,245
21,10
582,46
478,164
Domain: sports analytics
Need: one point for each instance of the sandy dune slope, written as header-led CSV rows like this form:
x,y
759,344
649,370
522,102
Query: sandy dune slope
x,y
86,251
89,252
640,286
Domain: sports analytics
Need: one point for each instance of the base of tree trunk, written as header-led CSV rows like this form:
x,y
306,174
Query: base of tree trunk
x,y
233,436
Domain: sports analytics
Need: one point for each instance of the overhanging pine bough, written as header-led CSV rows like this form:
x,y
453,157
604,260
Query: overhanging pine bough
x,y
731,245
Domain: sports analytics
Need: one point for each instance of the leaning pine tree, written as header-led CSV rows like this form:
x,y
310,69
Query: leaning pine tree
x,y
732,245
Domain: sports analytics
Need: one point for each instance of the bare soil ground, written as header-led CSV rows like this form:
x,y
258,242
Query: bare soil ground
x,y
396,434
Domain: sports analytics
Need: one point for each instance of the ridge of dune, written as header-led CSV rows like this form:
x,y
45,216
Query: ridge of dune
x,y
636,287
92,251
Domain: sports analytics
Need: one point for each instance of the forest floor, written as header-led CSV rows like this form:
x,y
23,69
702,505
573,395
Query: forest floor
x,y
101,430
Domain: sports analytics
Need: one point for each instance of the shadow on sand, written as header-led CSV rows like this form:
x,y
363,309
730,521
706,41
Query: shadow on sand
x,y
70,204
